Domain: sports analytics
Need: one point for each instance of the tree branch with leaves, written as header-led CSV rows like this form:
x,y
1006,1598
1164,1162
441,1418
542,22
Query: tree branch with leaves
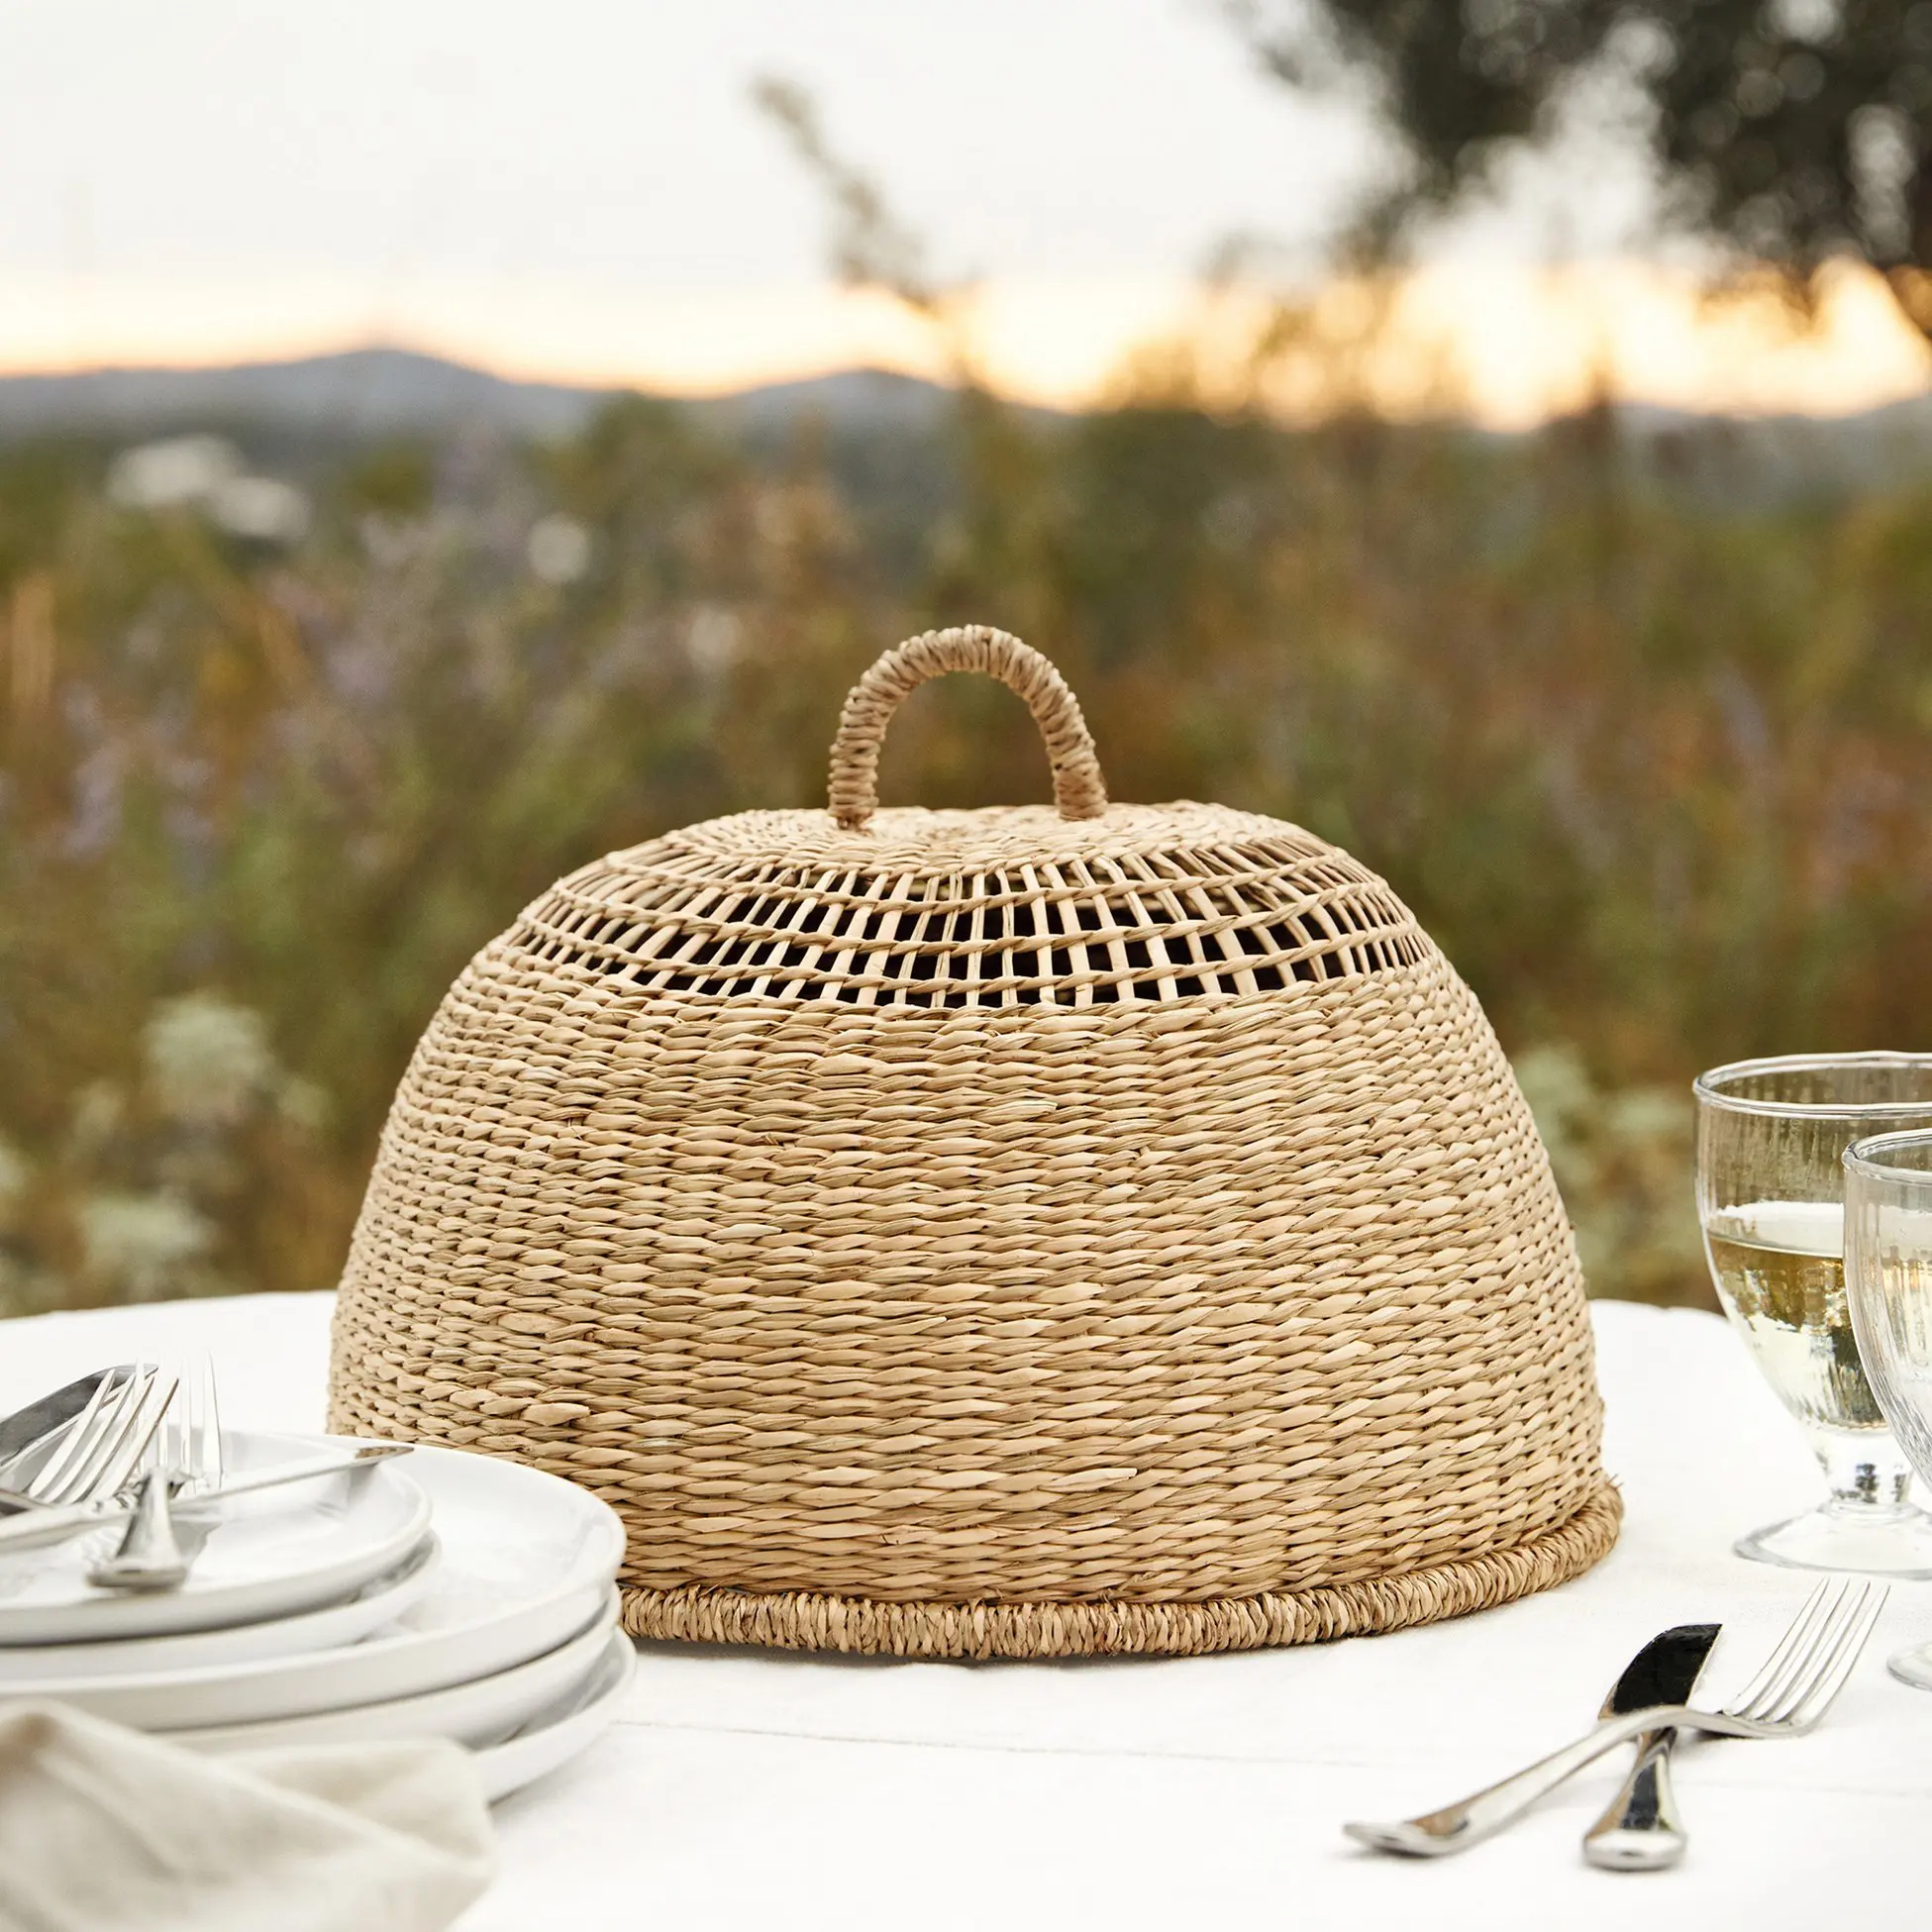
x,y
1796,134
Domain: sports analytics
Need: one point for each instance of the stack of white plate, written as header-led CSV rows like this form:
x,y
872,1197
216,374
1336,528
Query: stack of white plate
x,y
437,1595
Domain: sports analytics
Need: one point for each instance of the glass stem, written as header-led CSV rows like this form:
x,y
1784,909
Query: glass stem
x,y
1865,1476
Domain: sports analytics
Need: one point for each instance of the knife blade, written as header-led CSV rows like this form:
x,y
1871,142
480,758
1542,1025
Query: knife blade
x,y
1639,1830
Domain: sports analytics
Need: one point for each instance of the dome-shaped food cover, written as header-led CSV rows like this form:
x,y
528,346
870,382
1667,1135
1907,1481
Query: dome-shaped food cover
x,y
989,1233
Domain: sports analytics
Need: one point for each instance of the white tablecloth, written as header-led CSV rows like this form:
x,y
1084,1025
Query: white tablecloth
x,y
745,1788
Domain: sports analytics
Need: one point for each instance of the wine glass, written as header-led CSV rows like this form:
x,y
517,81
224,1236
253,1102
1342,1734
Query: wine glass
x,y
1771,1135
1888,1284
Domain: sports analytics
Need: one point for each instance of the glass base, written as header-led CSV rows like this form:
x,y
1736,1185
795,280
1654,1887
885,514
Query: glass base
x,y
1874,1541
1913,1667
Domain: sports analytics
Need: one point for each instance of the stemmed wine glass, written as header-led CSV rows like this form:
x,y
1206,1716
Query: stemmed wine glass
x,y
1888,1284
1771,1135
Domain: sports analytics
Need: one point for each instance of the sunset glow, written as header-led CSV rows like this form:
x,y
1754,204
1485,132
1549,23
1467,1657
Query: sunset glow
x,y
1505,345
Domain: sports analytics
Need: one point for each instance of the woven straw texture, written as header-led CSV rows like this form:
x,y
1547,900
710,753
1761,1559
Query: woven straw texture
x,y
1029,1232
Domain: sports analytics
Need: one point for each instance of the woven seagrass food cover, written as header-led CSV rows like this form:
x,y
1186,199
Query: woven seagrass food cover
x,y
1025,1232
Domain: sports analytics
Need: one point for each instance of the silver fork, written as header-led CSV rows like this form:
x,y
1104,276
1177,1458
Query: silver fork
x,y
1787,1697
205,1449
189,1460
107,1440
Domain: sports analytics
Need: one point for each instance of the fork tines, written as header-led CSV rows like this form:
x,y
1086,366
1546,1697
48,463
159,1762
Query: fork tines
x,y
1815,1656
107,1440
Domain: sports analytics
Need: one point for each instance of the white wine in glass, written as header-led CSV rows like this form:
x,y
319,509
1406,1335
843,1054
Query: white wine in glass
x,y
1771,1140
1780,1267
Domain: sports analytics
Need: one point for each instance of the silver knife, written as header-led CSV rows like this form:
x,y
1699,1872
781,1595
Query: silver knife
x,y
38,1525
1639,1829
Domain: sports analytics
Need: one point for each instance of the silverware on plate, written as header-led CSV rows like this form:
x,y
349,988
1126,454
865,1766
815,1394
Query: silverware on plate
x,y
1787,1697
96,1453
151,1556
187,1461
34,1527
1639,1830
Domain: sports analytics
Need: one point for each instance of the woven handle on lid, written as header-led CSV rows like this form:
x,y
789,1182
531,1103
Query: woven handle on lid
x,y
1079,788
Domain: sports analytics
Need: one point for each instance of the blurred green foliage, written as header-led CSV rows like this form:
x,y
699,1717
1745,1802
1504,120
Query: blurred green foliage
x,y
1652,763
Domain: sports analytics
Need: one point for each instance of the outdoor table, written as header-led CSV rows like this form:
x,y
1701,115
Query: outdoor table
x,y
746,1788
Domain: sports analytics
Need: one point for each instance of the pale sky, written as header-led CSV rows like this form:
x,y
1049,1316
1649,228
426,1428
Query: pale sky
x,y
606,145
582,189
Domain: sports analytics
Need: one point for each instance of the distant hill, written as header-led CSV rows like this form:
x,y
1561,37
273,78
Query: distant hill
x,y
373,393
362,392
887,430
857,399
1785,456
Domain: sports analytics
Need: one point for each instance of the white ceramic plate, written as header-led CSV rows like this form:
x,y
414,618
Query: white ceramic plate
x,y
31,1667
558,1731
472,1713
270,1554
525,1564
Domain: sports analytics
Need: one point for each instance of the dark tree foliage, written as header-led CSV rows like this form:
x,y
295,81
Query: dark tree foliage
x,y
1795,131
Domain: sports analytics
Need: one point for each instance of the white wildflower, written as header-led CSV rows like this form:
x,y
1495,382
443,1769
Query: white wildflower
x,y
209,1060
143,1245
559,548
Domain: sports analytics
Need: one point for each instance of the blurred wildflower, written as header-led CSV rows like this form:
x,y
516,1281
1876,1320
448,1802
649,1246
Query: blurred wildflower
x,y
209,1061
711,639
207,472
302,1105
559,548
178,469
157,1187
263,507
144,1247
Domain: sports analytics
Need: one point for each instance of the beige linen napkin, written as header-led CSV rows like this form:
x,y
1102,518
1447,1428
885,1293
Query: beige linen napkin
x,y
105,1830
